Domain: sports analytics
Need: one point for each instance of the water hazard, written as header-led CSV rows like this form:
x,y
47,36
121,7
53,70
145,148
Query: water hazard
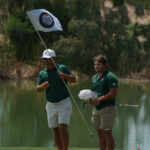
x,y
23,119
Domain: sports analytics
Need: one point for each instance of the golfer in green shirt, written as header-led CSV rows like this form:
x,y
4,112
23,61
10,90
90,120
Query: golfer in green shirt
x,y
59,107
104,84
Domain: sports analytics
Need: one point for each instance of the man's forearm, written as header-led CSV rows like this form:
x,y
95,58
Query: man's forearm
x,y
40,88
110,95
71,78
68,77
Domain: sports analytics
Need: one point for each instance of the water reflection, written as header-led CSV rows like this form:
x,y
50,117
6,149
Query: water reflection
x,y
139,131
23,119
133,123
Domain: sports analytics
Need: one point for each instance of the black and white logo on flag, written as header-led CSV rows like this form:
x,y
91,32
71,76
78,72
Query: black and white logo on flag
x,y
46,20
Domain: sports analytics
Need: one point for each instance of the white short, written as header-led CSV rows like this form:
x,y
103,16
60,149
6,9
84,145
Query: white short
x,y
59,113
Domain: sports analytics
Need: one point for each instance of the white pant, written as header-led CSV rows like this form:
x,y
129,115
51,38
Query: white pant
x,y
58,113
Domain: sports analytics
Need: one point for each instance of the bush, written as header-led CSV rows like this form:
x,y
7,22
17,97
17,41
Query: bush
x,y
20,34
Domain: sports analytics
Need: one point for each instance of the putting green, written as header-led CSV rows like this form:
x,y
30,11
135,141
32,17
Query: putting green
x,y
41,148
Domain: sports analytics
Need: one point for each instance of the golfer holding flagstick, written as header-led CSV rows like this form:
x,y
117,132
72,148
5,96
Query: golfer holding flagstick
x,y
58,107
53,79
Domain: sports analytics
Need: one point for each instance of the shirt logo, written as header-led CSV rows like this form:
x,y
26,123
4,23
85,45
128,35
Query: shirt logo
x,y
102,79
114,84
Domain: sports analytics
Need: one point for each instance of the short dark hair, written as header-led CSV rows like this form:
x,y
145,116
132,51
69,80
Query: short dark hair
x,y
100,59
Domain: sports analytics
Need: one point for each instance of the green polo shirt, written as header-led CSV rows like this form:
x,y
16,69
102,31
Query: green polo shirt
x,y
102,85
57,90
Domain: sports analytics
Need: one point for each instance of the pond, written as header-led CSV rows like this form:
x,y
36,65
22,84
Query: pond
x,y
23,121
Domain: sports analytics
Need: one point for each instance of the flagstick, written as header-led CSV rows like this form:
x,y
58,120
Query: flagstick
x,y
81,114
41,39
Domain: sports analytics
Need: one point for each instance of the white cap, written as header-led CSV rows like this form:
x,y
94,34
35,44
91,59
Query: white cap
x,y
48,53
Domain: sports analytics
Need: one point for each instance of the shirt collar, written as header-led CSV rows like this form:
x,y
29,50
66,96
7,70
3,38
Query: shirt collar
x,y
52,69
104,73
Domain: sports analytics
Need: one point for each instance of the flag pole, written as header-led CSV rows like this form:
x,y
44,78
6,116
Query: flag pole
x,y
81,114
37,31
41,39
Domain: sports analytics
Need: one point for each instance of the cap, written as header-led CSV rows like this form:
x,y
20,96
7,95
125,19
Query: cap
x,y
48,53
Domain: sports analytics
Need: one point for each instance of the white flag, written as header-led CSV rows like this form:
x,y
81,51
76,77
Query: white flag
x,y
43,20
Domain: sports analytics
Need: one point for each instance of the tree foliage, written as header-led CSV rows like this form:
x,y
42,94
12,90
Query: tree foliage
x,y
20,35
89,27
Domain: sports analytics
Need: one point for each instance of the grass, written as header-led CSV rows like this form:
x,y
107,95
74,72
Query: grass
x,y
43,148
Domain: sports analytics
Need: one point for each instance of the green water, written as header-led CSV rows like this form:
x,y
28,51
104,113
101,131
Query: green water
x,y
23,121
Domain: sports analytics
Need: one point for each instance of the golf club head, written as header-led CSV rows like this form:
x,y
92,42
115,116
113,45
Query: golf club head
x,y
91,135
83,104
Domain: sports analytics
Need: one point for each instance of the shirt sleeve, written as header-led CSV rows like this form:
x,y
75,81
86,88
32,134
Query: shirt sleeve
x,y
113,82
39,79
66,70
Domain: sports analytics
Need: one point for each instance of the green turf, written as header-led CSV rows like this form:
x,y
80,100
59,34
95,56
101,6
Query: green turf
x,y
41,148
